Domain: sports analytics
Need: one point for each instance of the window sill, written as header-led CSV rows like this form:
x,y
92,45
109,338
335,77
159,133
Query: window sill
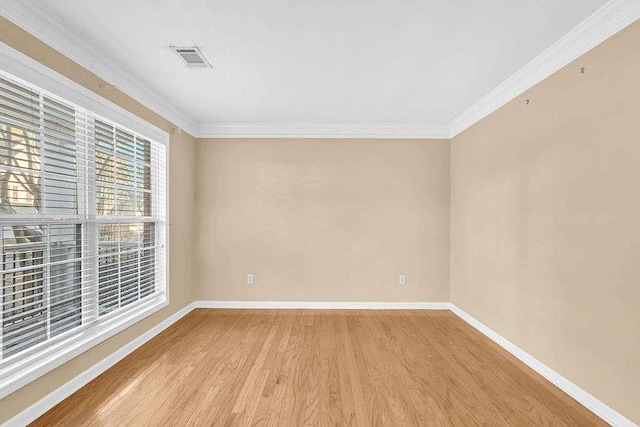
x,y
37,365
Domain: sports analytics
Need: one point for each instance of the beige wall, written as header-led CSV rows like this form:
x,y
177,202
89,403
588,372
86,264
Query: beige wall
x,y
323,219
181,183
546,222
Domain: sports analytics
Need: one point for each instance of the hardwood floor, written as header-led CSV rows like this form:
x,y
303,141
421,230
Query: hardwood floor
x,y
319,367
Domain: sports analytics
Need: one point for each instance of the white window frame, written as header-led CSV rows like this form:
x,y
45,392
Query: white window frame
x,y
14,64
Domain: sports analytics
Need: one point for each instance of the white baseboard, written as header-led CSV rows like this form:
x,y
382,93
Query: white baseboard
x,y
326,305
599,408
596,406
43,405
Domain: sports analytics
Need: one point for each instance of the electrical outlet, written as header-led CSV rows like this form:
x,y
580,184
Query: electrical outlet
x,y
403,280
250,279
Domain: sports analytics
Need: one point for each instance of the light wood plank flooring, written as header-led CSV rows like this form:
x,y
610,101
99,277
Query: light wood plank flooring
x,y
317,367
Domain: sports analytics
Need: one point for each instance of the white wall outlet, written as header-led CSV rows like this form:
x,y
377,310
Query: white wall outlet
x,y
402,280
250,279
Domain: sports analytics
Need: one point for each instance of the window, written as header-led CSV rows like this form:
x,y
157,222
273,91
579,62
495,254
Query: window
x,y
82,224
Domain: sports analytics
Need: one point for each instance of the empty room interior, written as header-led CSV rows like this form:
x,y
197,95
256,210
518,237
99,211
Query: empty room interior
x,y
319,213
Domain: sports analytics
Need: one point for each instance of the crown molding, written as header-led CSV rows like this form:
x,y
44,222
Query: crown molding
x,y
17,66
605,22
34,18
322,130
602,24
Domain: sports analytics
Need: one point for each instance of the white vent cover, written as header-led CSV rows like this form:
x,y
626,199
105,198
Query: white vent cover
x,y
191,56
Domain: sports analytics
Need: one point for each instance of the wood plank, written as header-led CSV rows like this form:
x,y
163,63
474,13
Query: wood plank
x,y
323,367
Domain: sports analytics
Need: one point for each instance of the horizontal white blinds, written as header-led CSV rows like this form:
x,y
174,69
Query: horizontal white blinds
x,y
82,220
130,201
42,284
126,265
37,153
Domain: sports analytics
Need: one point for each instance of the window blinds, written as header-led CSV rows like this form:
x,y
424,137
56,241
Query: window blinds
x,y
82,220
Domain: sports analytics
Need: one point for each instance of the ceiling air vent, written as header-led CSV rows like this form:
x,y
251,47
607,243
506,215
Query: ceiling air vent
x,y
192,56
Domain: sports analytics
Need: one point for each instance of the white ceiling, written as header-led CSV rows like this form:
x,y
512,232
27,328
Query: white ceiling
x,y
413,62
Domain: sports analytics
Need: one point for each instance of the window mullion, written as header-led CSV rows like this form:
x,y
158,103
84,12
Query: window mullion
x,y
119,266
46,240
140,244
40,141
116,199
46,270
135,212
85,142
1,290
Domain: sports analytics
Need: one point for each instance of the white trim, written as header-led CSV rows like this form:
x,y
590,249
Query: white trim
x,y
604,23
599,408
35,366
322,130
327,305
596,406
36,19
17,65
14,64
37,409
